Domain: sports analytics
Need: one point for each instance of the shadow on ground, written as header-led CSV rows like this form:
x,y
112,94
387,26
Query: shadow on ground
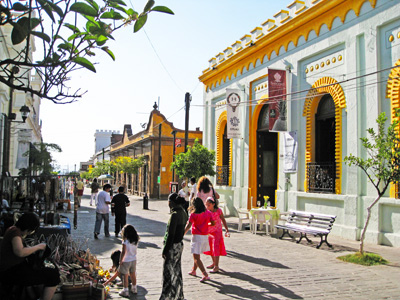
x,y
266,289
255,260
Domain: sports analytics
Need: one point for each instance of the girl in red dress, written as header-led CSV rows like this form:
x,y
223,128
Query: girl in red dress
x,y
215,238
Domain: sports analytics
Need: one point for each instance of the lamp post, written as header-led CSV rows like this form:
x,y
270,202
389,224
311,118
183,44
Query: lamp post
x,y
173,154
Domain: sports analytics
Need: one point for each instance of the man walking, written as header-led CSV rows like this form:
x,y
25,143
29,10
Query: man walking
x,y
80,187
94,190
118,208
103,211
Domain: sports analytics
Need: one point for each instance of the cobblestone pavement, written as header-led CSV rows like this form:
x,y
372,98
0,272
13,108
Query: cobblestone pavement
x,y
256,267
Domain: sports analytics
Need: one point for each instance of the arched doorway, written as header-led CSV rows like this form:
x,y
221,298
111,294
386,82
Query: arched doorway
x,y
322,171
267,159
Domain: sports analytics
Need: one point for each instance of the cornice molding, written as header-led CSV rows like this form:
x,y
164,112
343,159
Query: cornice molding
x,y
311,19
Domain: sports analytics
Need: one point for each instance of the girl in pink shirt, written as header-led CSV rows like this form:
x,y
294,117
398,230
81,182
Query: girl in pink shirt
x,y
199,221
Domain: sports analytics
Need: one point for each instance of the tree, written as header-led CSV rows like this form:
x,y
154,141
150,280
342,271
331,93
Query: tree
x,y
103,167
70,32
382,164
40,159
197,161
128,165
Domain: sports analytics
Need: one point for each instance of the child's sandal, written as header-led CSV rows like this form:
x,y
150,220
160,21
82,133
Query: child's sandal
x,y
210,266
192,273
215,270
205,278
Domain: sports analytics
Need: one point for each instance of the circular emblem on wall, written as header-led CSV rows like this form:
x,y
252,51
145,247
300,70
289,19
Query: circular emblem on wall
x,y
233,100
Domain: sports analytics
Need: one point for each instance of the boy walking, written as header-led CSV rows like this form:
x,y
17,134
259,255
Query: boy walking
x,y
118,208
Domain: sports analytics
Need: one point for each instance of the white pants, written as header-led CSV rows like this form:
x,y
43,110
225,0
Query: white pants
x,y
93,196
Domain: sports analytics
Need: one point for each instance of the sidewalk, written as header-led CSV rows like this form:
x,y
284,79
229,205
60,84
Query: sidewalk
x,y
256,267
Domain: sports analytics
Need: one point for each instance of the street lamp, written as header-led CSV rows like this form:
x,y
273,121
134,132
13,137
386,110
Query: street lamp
x,y
24,112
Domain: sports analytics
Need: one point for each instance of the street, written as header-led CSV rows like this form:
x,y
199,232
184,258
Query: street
x,y
256,267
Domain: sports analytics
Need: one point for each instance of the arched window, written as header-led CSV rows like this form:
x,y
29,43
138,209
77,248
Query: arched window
x,y
224,152
324,136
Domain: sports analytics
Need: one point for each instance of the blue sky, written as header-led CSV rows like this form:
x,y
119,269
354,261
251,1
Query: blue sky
x,y
124,91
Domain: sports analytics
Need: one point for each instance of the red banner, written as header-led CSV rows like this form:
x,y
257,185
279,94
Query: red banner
x,y
277,100
178,143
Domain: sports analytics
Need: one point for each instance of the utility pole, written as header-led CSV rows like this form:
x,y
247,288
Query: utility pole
x,y
159,161
173,155
188,98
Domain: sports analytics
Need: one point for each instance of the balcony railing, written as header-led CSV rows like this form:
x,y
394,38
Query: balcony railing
x,y
222,175
321,177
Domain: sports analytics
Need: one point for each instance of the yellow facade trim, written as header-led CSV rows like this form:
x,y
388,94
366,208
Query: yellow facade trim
x,y
393,93
219,132
320,87
311,20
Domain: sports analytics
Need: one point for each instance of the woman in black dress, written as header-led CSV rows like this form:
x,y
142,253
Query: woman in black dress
x,y
173,248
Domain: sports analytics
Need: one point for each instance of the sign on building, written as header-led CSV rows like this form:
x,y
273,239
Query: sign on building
x,y
233,114
277,100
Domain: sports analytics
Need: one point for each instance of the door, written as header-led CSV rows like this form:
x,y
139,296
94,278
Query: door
x,y
267,160
267,166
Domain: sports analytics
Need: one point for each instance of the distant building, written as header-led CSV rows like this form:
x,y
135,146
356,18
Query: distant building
x,y
146,143
104,138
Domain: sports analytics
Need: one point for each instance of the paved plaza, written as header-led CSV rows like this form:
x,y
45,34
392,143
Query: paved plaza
x,y
256,267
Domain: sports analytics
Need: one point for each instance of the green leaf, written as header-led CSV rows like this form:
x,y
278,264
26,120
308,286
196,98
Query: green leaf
x,y
131,12
68,47
112,15
56,8
56,57
109,52
149,5
93,4
74,36
118,2
163,9
84,9
117,7
19,7
58,37
41,35
47,8
34,22
72,27
92,27
140,23
84,63
20,31
101,40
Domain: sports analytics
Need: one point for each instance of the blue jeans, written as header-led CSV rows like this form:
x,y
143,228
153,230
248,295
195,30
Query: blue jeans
x,y
99,218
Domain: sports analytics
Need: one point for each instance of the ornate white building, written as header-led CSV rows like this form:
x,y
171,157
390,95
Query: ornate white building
x,y
341,59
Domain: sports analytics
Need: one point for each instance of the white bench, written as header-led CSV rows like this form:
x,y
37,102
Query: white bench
x,y
308,223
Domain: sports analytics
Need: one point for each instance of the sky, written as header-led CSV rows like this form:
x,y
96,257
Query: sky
x,y
160,63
